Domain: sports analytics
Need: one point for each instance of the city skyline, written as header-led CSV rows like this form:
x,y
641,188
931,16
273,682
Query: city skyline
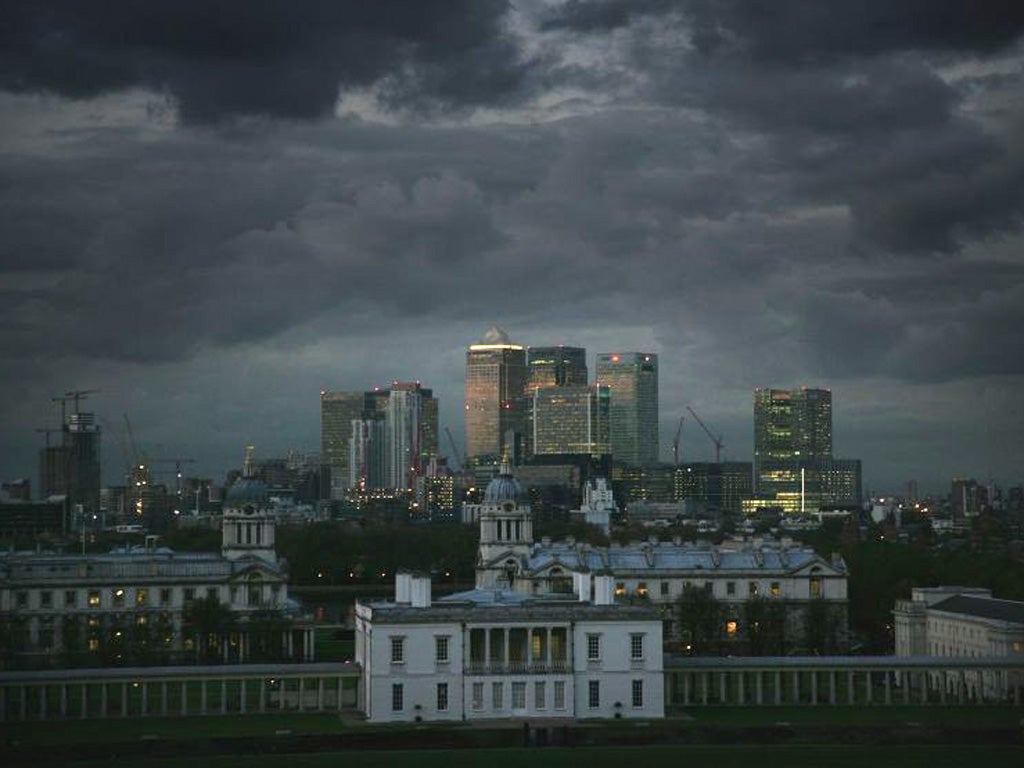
x,y
212,215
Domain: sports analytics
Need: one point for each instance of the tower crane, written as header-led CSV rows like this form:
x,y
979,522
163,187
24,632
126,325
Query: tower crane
x,y
177,462
717,440
455,448
78,395
675,443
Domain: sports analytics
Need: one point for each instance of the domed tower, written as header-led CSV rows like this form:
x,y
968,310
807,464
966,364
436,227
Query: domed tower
x,y
247,527
506,531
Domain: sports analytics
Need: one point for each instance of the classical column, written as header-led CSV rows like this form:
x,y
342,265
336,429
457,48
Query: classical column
x,y
686,689
42,702
320,694
103,699
758,687
224,696
906,687
184,698
867,686
832,686
796,686
722,682
85,701
302,692
778,687
64,700
145,699
741,693
942,686
163,698
704,688
814,687
242,684
263,695
202,697
124,699
851,693
888,687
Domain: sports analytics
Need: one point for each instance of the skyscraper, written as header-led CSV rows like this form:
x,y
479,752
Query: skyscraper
x,y
793,464
633,380
571,420
495,384
556,366
337,412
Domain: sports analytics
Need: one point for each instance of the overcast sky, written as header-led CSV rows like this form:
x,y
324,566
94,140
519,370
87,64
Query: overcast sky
x,y
211,211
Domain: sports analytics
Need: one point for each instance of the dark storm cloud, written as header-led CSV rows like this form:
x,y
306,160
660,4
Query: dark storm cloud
x,y
281,59
797,32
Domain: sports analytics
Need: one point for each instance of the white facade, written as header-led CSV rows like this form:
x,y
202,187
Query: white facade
x,y
489,654
963,622
598,504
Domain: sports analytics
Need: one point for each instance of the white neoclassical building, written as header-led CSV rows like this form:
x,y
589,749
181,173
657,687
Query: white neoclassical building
x,y
132,602
497,653
733,572
965,622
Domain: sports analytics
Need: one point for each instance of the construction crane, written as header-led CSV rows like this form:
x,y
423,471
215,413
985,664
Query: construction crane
x,y
177,462
78,395
455,448
716,440
675,443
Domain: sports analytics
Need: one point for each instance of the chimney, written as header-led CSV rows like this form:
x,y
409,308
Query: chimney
x,y
581,585
420,589
403,587
604,590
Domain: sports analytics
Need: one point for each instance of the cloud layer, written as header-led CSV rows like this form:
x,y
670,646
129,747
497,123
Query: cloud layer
x,y
214,212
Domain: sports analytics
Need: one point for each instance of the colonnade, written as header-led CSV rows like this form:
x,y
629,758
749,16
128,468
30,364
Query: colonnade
x,y
500,650
177,691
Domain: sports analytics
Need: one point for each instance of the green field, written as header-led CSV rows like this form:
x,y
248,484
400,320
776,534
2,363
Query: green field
x,y
812,756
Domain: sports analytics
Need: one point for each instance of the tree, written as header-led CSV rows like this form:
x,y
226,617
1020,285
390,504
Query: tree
x,y
700,621
208,621
765,622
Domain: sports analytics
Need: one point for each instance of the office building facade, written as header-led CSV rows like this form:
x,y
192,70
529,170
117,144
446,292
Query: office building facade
x,y
632,378
495,403
556,367
571,420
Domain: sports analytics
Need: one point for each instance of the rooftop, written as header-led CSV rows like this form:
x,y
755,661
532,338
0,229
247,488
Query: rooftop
x,y
983,607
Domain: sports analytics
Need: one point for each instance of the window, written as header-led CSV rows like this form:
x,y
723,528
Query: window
x,y
94,644
775,589
165,596
664,589
71,598
594,694
118,594
211,592
752,589
518,695
593,647
94,598
539,696
21,599
730,588
442,697
189,594
397,650
732,627
559,694
620,588
141,596
397,697
497,695
637,690
641,589
441,649
636,646
815,586
46,599
478,696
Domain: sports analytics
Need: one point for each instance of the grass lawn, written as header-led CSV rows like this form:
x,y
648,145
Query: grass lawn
x,y
963,717
811,756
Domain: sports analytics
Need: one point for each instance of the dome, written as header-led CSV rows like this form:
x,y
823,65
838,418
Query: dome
x,y
504,488
246,490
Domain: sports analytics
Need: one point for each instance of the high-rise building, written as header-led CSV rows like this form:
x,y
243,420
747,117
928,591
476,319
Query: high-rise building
x,y
793,464
792,424
633,380
368,452
72,469
404,432
495,386
337,412
556,366
571,420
